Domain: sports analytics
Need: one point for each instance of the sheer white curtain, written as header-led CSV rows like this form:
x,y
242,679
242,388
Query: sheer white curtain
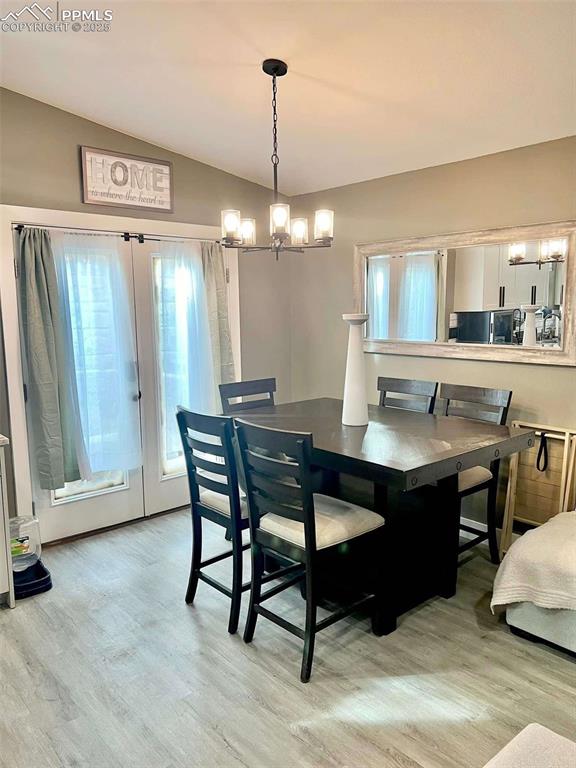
x,y
378,297
98,314
186,367
417,303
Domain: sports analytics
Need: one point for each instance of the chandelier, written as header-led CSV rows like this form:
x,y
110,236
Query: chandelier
x,y
286,234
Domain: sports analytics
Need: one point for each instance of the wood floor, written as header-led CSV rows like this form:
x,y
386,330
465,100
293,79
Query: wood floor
x,y
111,669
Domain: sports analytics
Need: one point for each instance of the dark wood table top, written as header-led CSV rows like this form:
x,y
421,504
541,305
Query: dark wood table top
x,y
397,447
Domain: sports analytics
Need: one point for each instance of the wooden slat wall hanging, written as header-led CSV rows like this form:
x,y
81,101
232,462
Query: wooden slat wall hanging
x,y
533,496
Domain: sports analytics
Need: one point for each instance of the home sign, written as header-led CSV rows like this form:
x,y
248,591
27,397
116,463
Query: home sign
x,y
129,181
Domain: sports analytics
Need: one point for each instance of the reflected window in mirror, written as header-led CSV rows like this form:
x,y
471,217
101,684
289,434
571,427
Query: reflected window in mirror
x,y
497,293
402,296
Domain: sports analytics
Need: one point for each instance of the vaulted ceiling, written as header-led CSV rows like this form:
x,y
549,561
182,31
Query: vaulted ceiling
x,y
374,88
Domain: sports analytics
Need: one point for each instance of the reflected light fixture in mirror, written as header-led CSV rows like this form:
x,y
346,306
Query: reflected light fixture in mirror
x,y
516,253
553,250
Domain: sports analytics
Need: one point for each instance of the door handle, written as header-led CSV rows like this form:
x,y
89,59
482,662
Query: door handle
x,y
138,396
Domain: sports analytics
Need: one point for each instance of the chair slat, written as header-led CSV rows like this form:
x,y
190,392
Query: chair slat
x,y
250,405
212,485
238,389
266,505
277,489
271,466
419,406
200,445
492,417
417,388
499,399
274,441
479,395
209,466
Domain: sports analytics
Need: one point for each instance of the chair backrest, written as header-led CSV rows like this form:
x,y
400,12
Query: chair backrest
x,y
278,479
210,460
476,402
247,389
423,394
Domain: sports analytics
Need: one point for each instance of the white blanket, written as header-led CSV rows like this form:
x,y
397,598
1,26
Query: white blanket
x,y
540,567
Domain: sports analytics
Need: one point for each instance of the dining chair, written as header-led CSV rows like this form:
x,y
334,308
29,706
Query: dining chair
x,y
482,404
288,519
422,394
252,388
215,496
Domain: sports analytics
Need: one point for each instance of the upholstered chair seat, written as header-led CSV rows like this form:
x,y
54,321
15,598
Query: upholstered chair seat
x,y
469,478
336,521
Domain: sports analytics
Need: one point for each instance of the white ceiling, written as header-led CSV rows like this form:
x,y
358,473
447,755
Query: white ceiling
x,y
374,88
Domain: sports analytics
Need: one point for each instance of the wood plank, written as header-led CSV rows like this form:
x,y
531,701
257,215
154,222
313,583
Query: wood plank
x,y
538,490
549,477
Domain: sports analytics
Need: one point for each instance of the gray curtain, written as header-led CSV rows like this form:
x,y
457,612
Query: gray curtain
x,y
442,319
50,408
217,297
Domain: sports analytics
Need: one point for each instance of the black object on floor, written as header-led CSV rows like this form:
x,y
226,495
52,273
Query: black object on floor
x,y
32,581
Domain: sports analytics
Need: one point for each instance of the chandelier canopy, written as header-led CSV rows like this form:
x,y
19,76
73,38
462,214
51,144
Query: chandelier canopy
x,y
286,234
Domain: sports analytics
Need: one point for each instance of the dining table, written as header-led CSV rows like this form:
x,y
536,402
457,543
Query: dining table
x,y
411,460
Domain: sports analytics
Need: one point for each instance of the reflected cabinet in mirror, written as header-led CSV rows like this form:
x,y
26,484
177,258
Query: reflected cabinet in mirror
x,y
504,294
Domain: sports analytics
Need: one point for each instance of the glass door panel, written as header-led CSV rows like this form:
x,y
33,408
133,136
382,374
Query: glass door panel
x,y
176,364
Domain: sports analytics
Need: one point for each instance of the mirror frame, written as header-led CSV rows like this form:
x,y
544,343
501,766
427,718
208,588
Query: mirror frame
x,y
500,353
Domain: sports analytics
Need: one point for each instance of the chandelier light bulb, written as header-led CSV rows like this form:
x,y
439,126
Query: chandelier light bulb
x,y
280,217
230,226
248,230
324,225
299,231
280,220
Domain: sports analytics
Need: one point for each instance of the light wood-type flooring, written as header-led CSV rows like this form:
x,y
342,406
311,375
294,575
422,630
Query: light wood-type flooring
x,y
111,669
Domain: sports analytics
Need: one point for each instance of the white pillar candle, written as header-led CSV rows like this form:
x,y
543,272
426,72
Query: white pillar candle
x,y
529,338
355,407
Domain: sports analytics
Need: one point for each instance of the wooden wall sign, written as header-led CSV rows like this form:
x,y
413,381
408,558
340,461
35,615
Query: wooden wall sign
x,y
128,181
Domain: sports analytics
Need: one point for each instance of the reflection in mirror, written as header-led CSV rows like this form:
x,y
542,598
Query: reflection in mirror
x,y
509,293
402,296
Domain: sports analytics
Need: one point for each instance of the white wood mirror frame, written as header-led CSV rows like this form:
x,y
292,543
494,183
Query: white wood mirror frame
x,y
566,355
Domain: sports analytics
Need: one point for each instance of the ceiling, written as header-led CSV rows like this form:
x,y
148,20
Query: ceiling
x,y
374,88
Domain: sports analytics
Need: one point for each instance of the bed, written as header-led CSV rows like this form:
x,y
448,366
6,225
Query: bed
x,y
536,583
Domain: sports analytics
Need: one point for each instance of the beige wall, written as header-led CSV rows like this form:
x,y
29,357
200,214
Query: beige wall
x,y
290,310
39,161
522,186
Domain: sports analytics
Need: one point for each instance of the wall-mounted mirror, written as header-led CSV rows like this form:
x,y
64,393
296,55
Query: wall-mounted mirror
x,y
499,294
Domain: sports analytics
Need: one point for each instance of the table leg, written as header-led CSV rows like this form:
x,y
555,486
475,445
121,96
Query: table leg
x,y
449,534
384,616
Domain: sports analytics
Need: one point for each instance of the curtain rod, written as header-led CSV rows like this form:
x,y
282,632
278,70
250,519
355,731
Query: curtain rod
x,y
112,233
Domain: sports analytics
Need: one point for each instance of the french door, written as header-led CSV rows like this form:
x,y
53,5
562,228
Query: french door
x,y
139,340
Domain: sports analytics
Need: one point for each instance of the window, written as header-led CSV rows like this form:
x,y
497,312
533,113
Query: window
x,y
402,296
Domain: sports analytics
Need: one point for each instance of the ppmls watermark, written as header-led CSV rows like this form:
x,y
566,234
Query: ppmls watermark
x,y
46,18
